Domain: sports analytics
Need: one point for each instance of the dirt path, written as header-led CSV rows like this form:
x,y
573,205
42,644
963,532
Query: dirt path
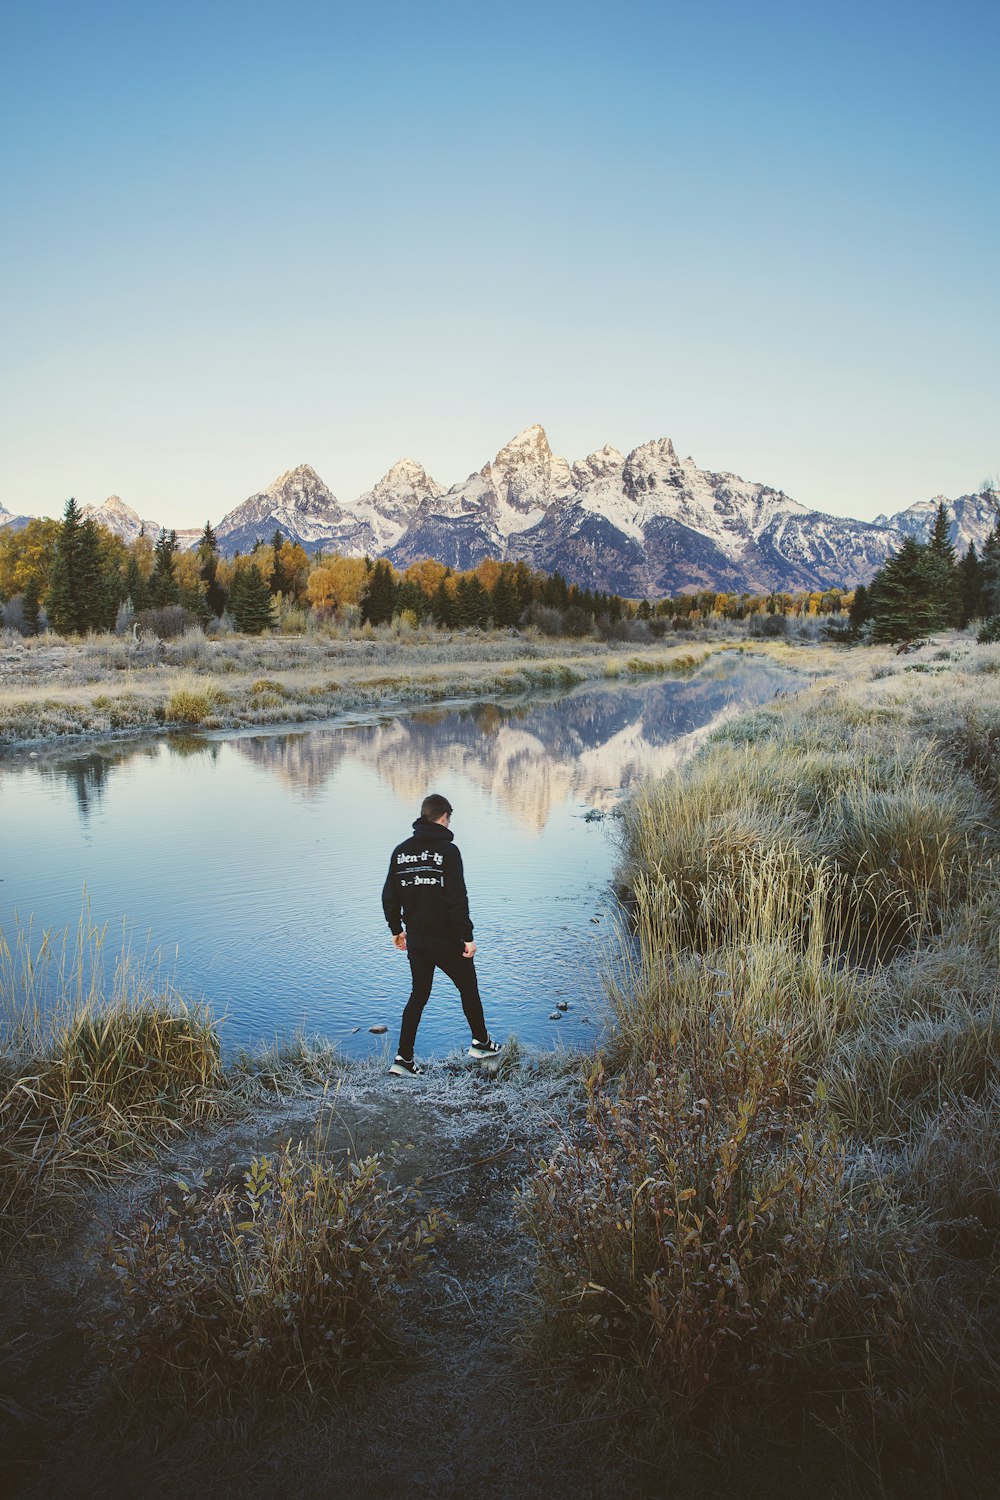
x,y
461,1417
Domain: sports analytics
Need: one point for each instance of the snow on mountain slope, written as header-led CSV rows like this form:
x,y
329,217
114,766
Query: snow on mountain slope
x,y
121,519
643,523
973,517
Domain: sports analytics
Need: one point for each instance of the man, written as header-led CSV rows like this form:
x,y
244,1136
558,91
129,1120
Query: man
x,y
425,889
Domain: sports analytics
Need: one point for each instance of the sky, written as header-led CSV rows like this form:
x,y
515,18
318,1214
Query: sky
x,y
241,236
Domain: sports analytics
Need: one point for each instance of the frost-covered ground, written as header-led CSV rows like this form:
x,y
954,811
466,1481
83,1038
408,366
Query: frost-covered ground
x,y
461,1416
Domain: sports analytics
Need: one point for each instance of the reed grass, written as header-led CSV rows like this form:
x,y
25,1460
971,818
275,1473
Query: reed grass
x,y
805,995
100,1061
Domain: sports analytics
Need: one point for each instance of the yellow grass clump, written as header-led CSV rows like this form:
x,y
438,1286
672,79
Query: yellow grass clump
x,y
99,1061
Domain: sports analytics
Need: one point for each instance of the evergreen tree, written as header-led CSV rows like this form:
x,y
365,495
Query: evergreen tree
x,y
504,605
443,606
990,573
969,583
472,602
940,537
79,592
860,612
554,592
30,601
162,588
63,606
208,560
97,589
410,596
941,565
277,580
905,595
379,599
135,585
523,584
250,601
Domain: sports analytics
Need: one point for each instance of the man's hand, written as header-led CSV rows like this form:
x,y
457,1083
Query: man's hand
x,y
468,950
399,941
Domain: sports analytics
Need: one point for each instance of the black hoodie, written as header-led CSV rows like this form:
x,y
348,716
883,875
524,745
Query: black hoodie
x,y
425,889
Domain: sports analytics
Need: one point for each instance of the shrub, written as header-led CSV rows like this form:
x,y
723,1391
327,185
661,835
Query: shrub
x,y
989,631
280,1285
693,1230
168,621
767,627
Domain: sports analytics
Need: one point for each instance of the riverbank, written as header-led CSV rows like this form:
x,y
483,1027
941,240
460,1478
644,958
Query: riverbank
x,y
752,1249
52,690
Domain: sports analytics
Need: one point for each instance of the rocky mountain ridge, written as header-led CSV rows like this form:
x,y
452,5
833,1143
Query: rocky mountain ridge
x,y
643,523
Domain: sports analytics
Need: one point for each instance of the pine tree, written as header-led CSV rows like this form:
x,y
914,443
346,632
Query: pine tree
x,y
410,596
79,592
940,537
277,579
860,612
250,601
379,598
969,582
472,602
208,558
162,588
30,601
504,605
63,607
443,606
98,586
905,595
135,585
941,561
990,573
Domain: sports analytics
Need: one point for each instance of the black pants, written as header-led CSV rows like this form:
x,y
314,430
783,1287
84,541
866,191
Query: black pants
x,y
462,973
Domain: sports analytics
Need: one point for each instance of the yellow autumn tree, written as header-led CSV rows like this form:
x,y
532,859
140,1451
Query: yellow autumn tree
x,y
27,554
337,581
426,573
295,566
488,571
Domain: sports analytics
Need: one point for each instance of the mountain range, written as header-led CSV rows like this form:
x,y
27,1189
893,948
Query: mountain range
x,y
646,523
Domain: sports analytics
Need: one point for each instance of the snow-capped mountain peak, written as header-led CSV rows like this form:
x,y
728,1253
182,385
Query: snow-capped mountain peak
x,y
121,519
525,477
406,479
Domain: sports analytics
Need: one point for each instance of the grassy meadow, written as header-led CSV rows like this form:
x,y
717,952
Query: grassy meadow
x,y
761,1229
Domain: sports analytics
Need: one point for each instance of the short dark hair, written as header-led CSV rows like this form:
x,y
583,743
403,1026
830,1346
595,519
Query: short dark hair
x,y
434,807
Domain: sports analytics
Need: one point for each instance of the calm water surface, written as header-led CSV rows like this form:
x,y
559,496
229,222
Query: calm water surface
x,y
255,862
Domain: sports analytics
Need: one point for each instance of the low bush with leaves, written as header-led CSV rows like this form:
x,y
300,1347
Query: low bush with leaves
x,y
283,1284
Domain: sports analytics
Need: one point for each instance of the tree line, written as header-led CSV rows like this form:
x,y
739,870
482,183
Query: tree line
x,y
925,587
86,578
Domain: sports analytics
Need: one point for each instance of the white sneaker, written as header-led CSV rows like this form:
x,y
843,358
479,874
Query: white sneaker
x,y
489,1048
405,1067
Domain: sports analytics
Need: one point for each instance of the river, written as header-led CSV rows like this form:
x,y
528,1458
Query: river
x,y
253,863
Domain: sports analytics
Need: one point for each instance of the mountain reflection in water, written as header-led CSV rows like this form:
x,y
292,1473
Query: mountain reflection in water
x,y
588,745
258,858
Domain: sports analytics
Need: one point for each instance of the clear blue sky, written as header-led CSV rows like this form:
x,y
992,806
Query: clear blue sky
x,y
238,237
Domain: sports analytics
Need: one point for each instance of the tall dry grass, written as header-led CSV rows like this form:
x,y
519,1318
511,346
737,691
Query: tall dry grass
x,y
779,1208
280,1285
100,1060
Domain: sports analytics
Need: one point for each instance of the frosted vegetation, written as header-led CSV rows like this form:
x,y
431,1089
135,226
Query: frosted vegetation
x,y
760,1232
